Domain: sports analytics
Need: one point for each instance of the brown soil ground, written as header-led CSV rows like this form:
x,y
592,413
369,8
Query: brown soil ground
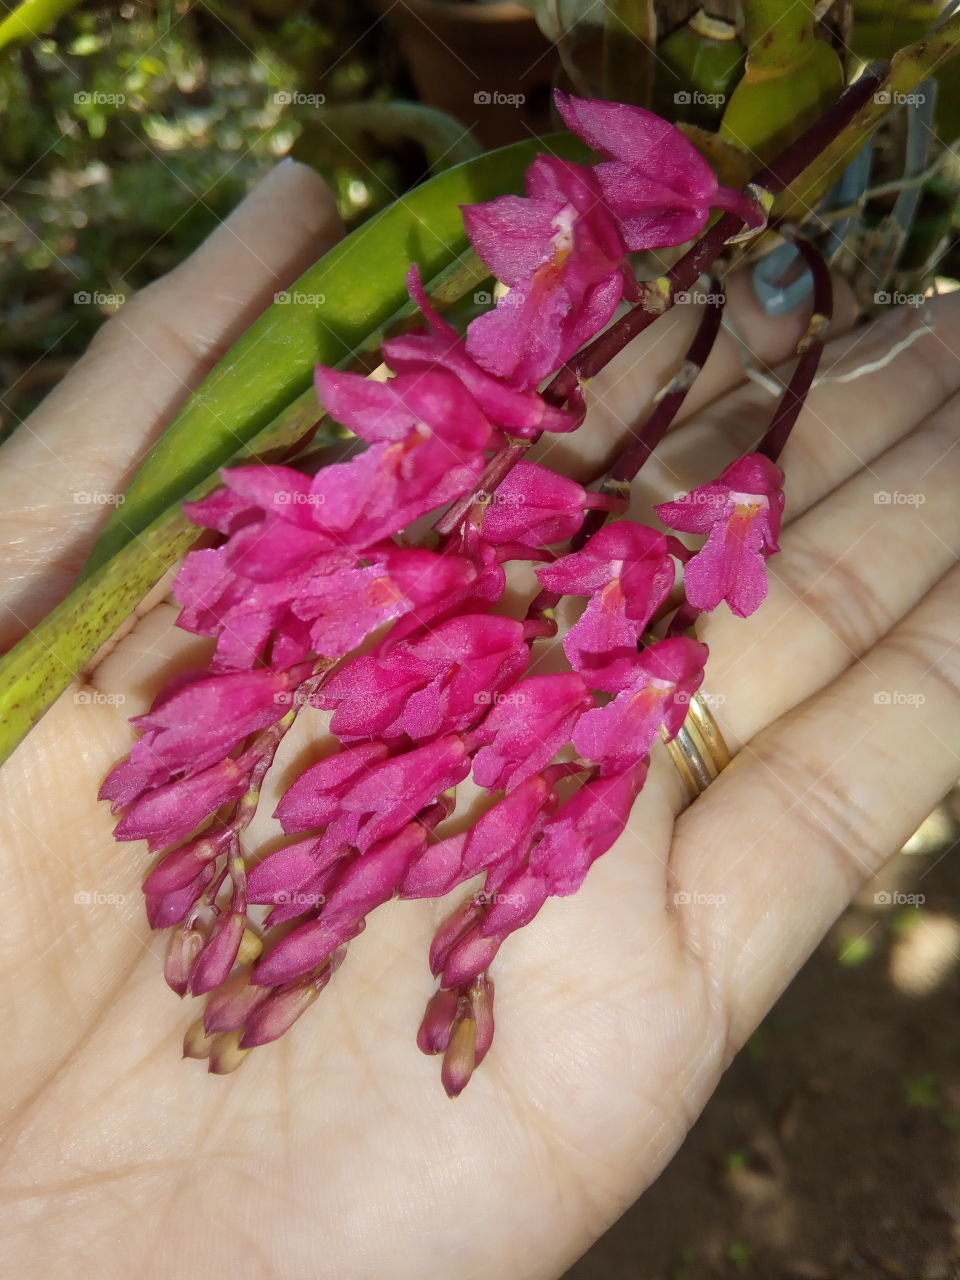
x,y
831,1150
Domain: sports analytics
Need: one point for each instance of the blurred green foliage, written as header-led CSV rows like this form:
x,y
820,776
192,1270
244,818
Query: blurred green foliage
x,y
130,130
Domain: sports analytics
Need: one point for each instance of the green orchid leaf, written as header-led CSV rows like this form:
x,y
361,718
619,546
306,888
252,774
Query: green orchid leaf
x,y
31,19
38,669
259,403
325,317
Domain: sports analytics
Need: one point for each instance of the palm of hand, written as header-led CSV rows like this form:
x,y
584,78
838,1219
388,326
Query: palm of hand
x,y
335,1152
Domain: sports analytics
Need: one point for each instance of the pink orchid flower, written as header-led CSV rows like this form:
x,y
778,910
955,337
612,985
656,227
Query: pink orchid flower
x,y
440,683
534,507
666,676
561,252
741,512
655,181
628,571
585,828
527,726
521,413
196,722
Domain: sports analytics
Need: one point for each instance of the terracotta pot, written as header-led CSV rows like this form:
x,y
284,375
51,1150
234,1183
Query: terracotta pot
x,y
488,65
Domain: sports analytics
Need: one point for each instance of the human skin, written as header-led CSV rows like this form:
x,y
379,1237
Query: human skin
x,y
334,1152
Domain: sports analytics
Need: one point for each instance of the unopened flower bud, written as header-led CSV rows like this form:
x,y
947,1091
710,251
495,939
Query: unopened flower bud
x,y
458,923
197,1043
170,908
471,954
229,1007
277,1013
481,1009
460,1058
251,944
185,945
285,1004
226,1054
181,866
219,955
438,1021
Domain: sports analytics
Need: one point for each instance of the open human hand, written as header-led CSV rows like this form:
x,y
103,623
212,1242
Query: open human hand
x,y
334,1152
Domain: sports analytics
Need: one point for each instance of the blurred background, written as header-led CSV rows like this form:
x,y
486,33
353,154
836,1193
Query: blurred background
x,y
830,1151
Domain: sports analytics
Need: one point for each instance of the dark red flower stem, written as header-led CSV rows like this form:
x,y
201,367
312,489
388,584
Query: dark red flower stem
x,y
775,178
629,462
497,469
810,349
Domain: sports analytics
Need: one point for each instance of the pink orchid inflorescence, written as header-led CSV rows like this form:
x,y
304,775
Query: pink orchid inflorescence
x,y
310,569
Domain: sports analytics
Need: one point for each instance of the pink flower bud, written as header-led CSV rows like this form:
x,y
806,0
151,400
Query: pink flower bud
x,y
170,908
438,1021
284,1005
184,946
181,867
469,956
173,811
527,727
229,1007
213,964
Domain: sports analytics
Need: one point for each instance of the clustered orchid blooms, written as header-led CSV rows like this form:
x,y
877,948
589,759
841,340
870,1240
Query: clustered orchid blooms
x,y
309,570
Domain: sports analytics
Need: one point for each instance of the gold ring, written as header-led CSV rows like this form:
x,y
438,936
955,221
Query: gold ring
x,y
698,751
